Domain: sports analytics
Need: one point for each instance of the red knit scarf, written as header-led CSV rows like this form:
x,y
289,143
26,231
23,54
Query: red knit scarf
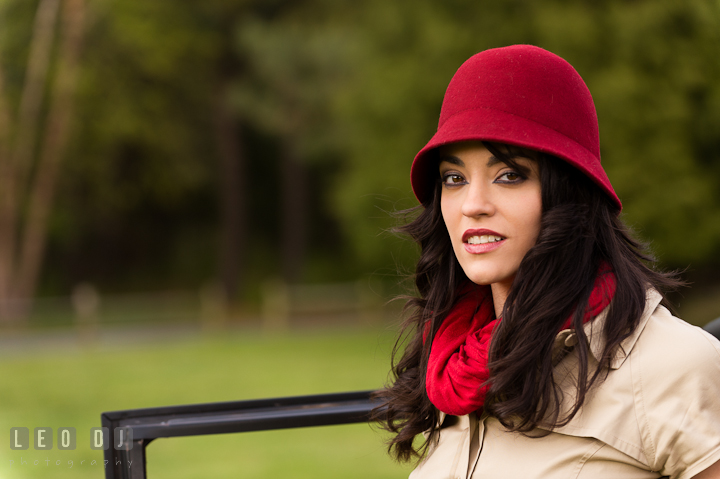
x,y
457,373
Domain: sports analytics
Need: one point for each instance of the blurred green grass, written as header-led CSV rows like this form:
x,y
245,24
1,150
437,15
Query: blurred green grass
x,y
70,385
52,378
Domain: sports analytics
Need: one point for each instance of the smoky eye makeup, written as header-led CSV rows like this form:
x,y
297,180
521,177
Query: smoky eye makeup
x,y
452,178
510,177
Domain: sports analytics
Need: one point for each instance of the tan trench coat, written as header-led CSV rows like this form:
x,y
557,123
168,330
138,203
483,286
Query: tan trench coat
x,y
656,414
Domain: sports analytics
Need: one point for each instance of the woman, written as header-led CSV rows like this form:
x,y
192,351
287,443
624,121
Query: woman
x,y
538,345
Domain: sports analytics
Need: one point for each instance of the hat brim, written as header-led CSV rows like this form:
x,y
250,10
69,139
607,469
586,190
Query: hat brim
x,y
485,124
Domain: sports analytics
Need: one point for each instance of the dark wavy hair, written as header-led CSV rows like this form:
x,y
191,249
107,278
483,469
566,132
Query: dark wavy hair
x,y
580,230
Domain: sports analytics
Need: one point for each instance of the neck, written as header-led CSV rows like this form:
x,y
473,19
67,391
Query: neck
x,y
500,292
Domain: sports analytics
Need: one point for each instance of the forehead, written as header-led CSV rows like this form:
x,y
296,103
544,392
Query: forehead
x,y
460,153
475,151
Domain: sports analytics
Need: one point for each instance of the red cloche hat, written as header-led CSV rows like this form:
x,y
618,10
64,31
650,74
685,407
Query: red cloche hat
x,y
520,95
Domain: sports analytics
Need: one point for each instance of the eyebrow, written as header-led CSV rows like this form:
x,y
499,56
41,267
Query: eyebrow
x,y
492,161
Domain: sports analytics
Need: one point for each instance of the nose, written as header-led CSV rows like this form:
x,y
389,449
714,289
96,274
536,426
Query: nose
x,y
477,201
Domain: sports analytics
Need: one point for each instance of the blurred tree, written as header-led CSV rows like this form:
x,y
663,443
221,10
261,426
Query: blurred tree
x,y
229,138
294,66
178,150
166,197
29,163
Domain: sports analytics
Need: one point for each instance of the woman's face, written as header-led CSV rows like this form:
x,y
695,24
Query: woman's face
x,y
491,210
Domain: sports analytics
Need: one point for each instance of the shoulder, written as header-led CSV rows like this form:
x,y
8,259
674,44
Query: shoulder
x,y
675,369
660,400
671,348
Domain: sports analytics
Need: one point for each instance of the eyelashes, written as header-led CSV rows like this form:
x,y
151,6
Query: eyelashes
x,y
516,177
453,178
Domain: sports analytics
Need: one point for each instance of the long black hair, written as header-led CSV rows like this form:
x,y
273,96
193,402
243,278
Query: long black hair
x,y
580,231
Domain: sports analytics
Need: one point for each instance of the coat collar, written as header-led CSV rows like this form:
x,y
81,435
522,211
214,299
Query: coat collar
x,y
594,332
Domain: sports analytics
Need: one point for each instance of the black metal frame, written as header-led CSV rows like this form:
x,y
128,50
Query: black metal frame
x,y
225,417
236,416
713,327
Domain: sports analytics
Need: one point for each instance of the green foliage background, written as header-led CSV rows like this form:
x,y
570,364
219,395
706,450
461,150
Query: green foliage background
x,y
357,87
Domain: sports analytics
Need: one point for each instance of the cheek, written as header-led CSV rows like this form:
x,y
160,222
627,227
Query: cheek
x,y
526,215
446,210
533,221
452,217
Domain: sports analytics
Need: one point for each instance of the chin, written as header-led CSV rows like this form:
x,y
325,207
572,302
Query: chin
x,y
484,276
483,279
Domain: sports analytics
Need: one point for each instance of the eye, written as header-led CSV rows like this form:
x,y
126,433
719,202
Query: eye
x,y
452,179
510,177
